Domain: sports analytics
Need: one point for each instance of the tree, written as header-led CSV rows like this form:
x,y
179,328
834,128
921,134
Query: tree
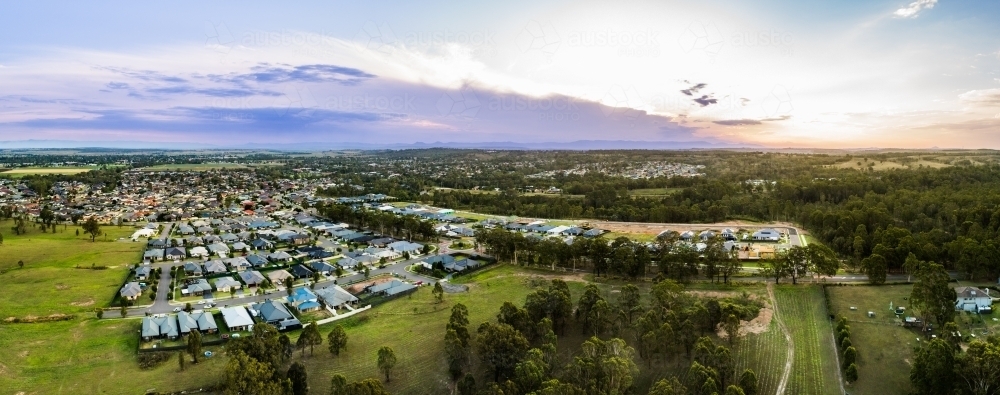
x,y
815,258
386,360
851,373
123,311
668,387
629,302
467,386
850,356
297,375
368,272
978,368
248,376
732,326
776,269
311,336
456,352
20,264
459,322
876,268
734,390
181,360
500,348
338,385
289,283
748,381
194,345
92,228
931,294
100,312
285,348
337,339
438,292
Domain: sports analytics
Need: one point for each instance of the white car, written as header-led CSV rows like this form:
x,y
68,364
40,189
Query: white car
x,y
201,302
176,309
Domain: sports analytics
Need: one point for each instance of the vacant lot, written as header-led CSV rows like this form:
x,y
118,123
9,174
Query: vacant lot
x,y
654,192
24,171
50,281
814,366
884,348
87,356
194,167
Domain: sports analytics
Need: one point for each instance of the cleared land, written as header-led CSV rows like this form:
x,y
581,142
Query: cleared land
x,y
814,365
765,354
50,281
654,192
24,171
885,349
194,167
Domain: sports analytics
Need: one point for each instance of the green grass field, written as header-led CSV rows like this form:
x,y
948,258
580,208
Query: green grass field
x,y
884,349
814,366
50,283
765,354
87,356
654,192
194,167
414,328
24,171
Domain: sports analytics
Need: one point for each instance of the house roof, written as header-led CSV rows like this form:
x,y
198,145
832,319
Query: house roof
x,y
278,276
236,316
164,325
335,295
251,277
131,289
301,294
271,311
970,292
227,282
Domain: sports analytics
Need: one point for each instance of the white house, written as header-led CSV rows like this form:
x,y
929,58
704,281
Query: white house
x,y
767,235
972,299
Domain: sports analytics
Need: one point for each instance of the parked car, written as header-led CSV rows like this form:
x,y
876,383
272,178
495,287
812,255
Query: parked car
x,y
177,309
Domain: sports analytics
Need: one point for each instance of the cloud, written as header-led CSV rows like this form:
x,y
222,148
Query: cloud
x,y
989,97
705,100
737,122
913,9
306,73
694,89
117,85
214,92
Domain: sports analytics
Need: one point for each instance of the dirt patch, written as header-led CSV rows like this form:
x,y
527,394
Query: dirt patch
x,y
757,325
578,277
358,287
23,354
83,304
30,319
62,287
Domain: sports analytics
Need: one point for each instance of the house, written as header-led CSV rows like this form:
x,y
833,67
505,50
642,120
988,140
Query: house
x,y
348,262
973,299
215,267
238,263
153,255
142,272
390,288
227,284
199,252
229,238
196,287
240,246
728,234
252,278
406,247
261,244
767,235
257,260
185,230
322,267
687,235
336,297
278,276
299,239
192,269
279,256
300,271
197,320
303,299
706,235
175,253
156,243
130,291
593,232
159,326
194,241
272,312
237,318
218,249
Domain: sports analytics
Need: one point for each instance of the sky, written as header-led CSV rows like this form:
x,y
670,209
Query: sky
x,y
714,73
